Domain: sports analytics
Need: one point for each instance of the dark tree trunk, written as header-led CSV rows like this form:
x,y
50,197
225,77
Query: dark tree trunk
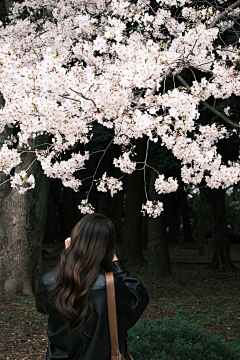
x,y
235,191
202,222
68,212
22,227
221,254
131,244
233,218
52,221
7,4
172,214
187,229
71,212
103,205
3,11
158,256
144,232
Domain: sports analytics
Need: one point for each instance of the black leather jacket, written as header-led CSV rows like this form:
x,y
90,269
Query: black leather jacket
x,y
131,300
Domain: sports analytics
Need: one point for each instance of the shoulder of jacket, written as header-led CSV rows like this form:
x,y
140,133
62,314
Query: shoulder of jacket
x,y
100,283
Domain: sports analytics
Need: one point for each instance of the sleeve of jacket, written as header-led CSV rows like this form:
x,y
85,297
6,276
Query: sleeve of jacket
x,y
131,296
42,299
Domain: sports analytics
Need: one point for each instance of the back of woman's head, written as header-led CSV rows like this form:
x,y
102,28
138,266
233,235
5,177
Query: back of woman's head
x,y
91,250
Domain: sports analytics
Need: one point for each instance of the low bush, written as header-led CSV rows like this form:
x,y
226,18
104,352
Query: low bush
x,y
175,340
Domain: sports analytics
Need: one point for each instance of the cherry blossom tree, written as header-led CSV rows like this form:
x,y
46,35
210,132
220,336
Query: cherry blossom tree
x,y
80,64
66,66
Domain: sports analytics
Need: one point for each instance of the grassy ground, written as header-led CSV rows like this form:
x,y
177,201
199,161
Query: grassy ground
x,y
195,294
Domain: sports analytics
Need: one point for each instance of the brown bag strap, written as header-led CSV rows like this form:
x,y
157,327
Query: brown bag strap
x,y
112,314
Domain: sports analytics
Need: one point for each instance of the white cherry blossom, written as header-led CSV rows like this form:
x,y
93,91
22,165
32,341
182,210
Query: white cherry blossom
x,y
165,186
152,208
9,158
125,164
109,183
22,182
86,207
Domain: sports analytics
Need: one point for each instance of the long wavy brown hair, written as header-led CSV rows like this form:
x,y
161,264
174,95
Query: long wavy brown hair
x,y
91,251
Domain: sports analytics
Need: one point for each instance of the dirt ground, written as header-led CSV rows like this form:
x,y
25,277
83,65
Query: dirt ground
x,y
195,294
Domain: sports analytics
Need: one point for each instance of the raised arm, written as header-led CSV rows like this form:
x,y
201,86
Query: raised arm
x,y
131,296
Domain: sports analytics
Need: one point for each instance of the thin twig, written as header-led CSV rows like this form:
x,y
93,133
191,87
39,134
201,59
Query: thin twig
x,y
89,177
84,97
95,152
153,169
5,182
144,170
65,97
31,164
121,177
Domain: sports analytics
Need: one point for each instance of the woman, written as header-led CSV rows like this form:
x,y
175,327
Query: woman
x,y
74,295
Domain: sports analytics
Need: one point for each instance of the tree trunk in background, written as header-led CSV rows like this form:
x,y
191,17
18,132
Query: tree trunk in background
x,y
202,223
131,244
158,256
69,213
144,232
3,11
7,4
52,221
221,254
103,205
187,229
22,227
235,191
172,214
232,219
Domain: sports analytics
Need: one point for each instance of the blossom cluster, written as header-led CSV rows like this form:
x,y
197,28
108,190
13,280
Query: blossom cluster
x,y
152,208
125,164
165,186
9,158
109,182
64,169
22,182
86,207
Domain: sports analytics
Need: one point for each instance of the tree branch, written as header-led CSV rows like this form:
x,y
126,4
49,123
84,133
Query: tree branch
x,y
220,115
211,108
84,97
224,13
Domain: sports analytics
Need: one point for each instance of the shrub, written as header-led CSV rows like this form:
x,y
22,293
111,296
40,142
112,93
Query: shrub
x,y
175,340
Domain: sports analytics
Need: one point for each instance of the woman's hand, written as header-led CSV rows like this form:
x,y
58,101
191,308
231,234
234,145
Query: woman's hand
x,y
114,258
67,242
